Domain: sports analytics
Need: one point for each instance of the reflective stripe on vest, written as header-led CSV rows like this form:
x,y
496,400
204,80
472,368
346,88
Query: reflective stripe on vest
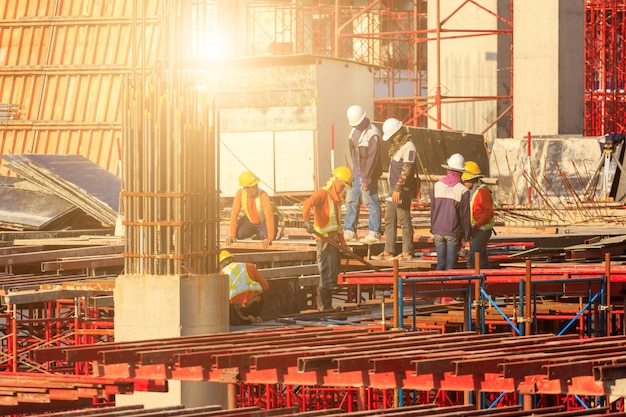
x,y
257,203
239,280
489,224
332,225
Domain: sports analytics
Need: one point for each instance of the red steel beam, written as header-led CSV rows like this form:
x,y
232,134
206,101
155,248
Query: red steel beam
x,y
451,361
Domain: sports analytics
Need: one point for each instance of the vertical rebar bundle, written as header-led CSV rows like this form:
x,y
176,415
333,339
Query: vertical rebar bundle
x,y
170,176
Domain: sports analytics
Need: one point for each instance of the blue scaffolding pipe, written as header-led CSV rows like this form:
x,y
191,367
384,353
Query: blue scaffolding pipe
x,y
581,401
486,296
497,400
586,307
402,280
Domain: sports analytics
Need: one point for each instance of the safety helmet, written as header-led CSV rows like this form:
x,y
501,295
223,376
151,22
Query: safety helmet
x,y
344,174
248,179
472,171
455,163
356,114
225,255
390,127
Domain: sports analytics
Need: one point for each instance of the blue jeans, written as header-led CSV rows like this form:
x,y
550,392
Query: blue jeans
x,y
369,197
479,244
246,229
447,248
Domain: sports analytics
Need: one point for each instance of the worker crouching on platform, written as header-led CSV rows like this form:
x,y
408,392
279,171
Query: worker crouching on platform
x,y
259,219
246,284
326,204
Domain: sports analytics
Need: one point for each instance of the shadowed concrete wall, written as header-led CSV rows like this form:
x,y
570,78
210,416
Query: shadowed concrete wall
x,y
468,66
549,67
156,307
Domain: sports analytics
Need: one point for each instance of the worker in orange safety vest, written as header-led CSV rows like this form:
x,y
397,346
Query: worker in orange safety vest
x,y
259,219
481,215
326,204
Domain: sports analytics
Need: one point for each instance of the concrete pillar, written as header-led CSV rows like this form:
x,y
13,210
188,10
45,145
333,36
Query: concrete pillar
x,y
548,60
154,307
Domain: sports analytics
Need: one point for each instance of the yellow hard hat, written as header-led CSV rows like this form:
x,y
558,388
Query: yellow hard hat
x,y
225,255
248,179
472,171
344,174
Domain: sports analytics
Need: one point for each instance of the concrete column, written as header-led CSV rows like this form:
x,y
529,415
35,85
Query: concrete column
x,y
154,307
548,51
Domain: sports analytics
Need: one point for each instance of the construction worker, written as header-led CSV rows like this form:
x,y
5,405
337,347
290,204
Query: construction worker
x,y
449,213
326,204
258,220
246,284
481,214
402,186
364,144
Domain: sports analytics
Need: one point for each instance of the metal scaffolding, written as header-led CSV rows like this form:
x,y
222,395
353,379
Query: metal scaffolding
x,y
605,67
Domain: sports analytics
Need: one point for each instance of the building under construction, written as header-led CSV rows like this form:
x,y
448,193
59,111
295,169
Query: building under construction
x,y
125,125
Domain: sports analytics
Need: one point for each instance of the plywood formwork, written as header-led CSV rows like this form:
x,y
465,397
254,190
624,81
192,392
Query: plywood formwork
x,y
62,69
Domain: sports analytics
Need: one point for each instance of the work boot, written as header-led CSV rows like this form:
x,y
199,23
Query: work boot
x,y
324,299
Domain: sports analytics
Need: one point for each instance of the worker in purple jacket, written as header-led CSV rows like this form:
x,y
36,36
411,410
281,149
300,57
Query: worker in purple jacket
x,y
450,213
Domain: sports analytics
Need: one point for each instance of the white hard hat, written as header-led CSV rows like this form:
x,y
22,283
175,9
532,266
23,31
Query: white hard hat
x,y
455,163
390,127
355,114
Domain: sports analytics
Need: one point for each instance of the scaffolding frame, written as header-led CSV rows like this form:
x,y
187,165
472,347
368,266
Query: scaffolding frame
x,y
605,63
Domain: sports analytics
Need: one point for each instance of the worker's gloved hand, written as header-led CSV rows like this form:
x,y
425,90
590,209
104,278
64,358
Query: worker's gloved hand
x,y
308,227
229,240
266,242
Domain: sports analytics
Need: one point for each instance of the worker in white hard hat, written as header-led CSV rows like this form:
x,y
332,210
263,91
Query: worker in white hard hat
x,y
245,284
259,219
364,144
449,213
402,189
326,205
481,214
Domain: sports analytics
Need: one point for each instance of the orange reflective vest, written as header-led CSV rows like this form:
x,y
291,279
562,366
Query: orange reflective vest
x,y
332,225
257,203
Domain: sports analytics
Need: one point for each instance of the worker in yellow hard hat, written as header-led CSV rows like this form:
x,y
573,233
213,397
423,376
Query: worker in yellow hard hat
x,y
326,205
481,214
259,219
246,286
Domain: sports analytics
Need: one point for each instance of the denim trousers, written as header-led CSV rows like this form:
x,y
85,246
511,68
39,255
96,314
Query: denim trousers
x,y
369,198
447,248
479,244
